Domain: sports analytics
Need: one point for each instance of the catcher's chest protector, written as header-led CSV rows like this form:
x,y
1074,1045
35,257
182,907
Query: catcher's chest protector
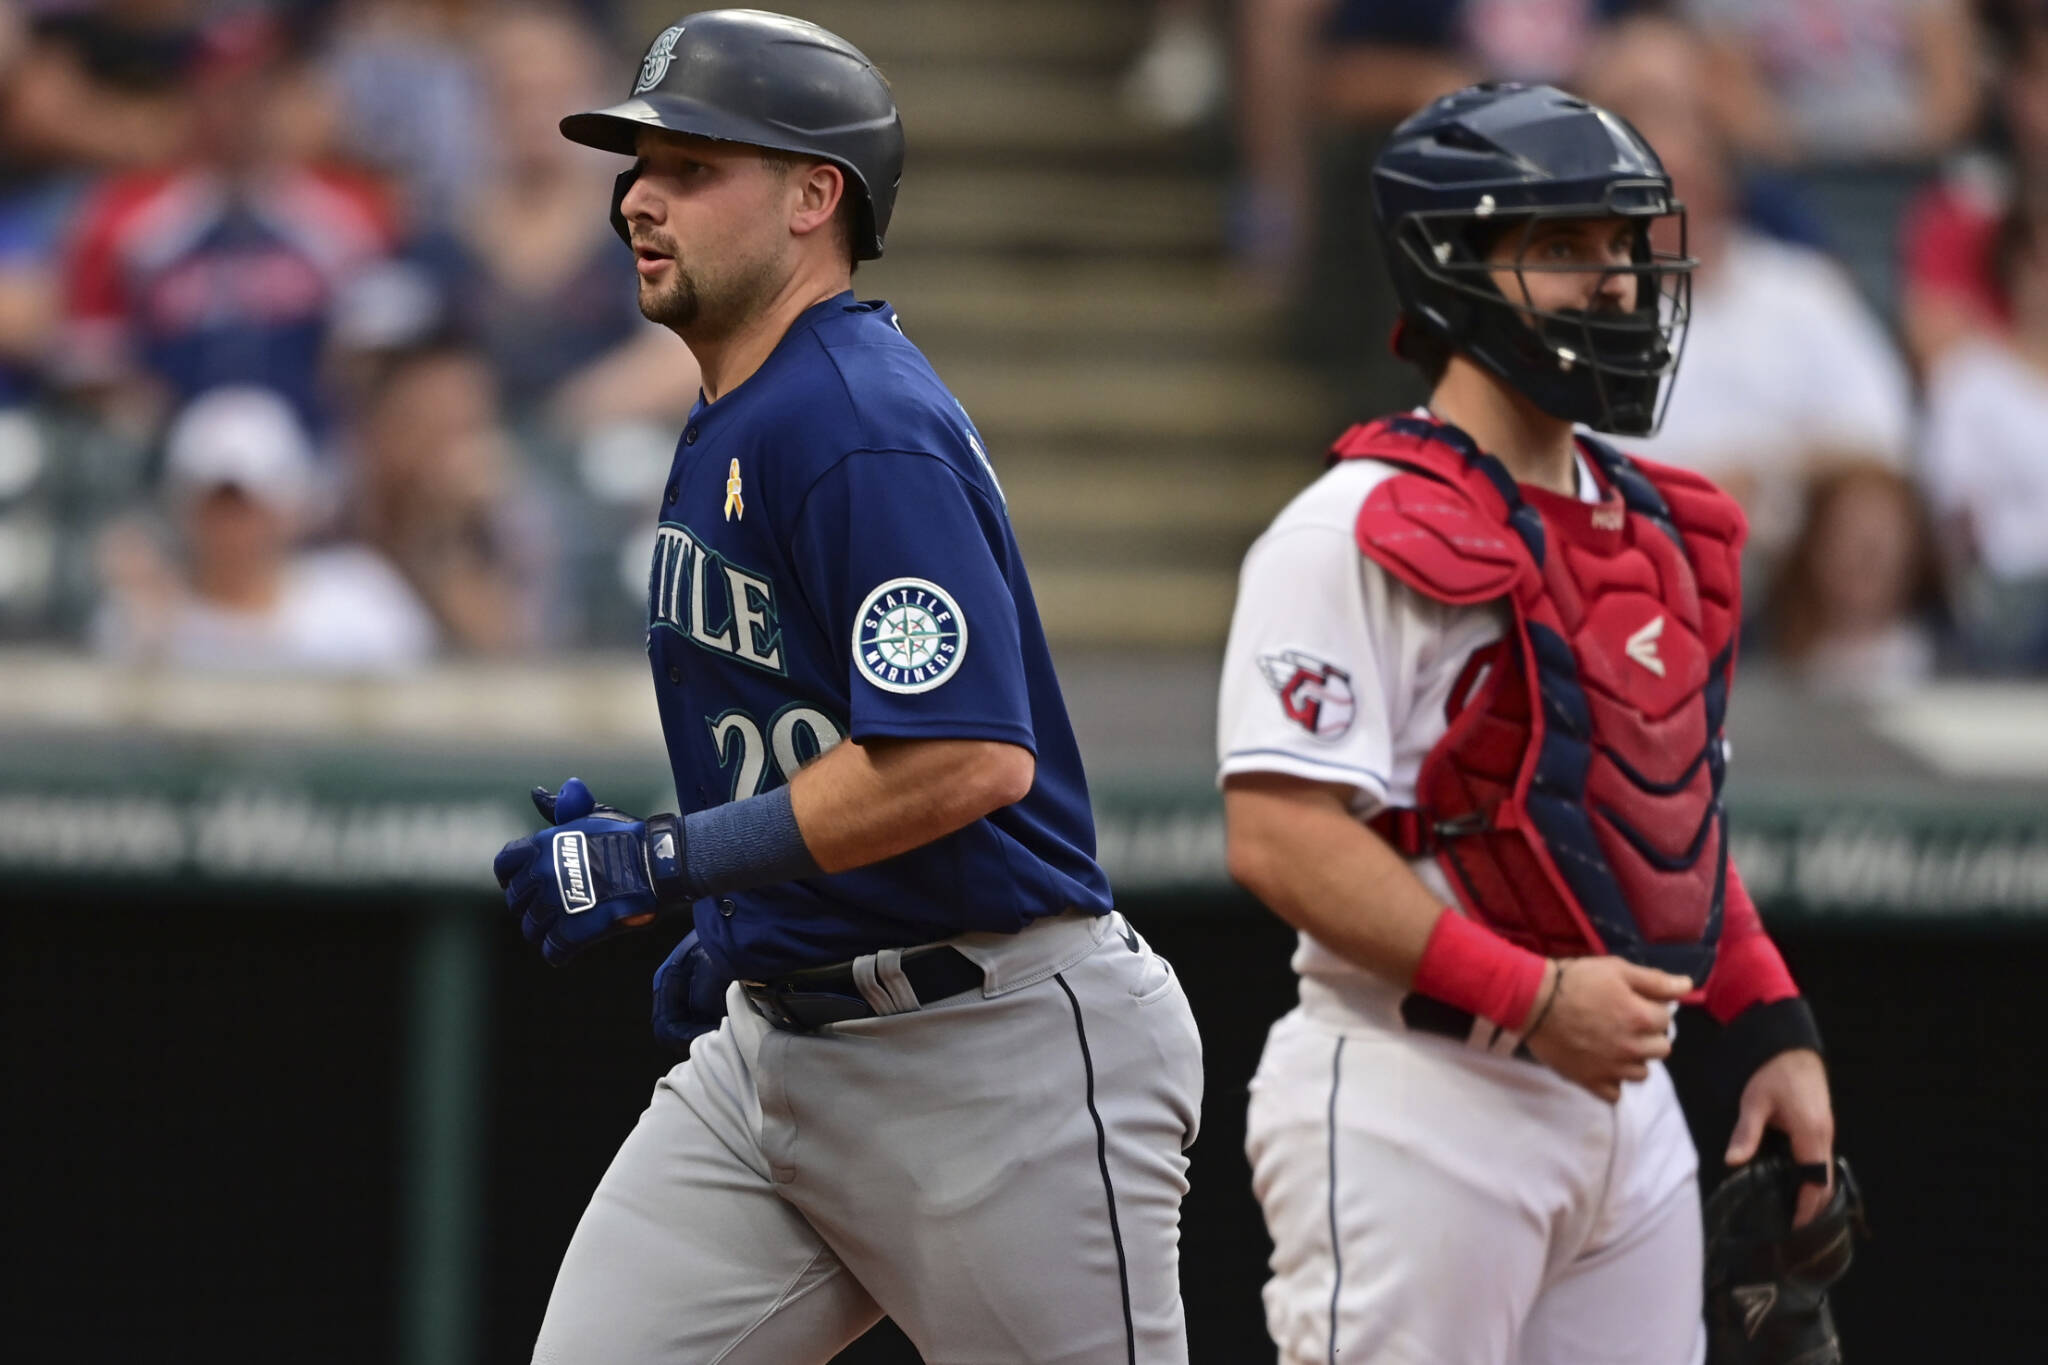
x,y
1575,801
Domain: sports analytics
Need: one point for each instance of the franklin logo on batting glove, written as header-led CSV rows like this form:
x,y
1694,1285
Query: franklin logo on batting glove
x,y
572,871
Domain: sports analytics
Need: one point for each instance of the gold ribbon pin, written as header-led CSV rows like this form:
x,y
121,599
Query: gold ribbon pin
x,y
734,507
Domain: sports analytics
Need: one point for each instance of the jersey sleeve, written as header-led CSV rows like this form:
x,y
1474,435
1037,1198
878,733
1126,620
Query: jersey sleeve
x,y
909,569
1312,674
1946,246
1748,969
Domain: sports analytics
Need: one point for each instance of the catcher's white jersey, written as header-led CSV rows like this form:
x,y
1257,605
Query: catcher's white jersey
x,y
1338,672
1429,1202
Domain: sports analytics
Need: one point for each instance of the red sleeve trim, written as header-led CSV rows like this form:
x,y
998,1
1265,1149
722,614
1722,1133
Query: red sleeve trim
x,y
1748,969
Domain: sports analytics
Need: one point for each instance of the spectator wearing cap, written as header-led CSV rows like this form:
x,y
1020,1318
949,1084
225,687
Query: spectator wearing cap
x,y
238,593
226,270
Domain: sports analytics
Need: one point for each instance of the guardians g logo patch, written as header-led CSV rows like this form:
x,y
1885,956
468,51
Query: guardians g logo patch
x,y
909,636
1316,695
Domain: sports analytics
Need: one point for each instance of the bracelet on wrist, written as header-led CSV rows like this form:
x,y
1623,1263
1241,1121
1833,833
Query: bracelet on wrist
x,y
1543,1010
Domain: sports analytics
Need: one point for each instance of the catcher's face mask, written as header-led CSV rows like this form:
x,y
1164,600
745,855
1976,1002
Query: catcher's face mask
x,y
1573,305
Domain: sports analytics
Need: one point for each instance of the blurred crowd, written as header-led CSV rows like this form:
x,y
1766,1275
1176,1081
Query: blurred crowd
x,y
1867,186
316,349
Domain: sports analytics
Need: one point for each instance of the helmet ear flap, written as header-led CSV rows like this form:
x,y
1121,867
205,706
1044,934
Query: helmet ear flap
x,y
620,185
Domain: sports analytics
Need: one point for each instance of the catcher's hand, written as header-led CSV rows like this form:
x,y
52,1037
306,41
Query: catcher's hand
x,y
1767,1281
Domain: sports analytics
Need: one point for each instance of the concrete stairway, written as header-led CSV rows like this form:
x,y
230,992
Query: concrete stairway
x,y
1062,266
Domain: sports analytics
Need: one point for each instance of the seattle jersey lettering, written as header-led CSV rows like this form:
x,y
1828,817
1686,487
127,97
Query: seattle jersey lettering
x,y
711,601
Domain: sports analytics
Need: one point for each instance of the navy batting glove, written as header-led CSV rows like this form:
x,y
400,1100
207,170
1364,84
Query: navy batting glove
x,y
594,874
689,994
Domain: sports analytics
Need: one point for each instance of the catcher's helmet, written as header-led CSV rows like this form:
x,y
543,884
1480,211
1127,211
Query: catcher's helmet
x,y
1495,159
766,80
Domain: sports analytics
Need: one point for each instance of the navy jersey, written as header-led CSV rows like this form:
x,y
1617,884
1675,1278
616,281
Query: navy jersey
x,y
835,561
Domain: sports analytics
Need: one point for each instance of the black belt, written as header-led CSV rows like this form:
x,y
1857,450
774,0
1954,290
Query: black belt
x,y
1427,1014
816,996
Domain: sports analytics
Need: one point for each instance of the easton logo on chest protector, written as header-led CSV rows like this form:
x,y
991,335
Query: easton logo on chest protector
x,y
1642,646
1574,802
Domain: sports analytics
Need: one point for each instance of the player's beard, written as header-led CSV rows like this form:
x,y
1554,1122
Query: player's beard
x,y
702,302
671,303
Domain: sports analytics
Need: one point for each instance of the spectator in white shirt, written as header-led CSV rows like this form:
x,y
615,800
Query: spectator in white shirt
x,y
239,594
1986,462
1784,363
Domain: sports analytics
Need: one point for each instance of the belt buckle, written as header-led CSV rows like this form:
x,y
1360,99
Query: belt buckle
x,y
766,998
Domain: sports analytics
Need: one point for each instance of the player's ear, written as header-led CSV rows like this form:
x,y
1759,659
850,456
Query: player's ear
x,y
819,188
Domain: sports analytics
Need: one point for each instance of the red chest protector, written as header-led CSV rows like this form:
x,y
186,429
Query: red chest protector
x,y
1575,802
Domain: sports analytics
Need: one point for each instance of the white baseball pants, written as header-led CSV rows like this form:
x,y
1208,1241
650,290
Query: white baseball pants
x,y
1434,1204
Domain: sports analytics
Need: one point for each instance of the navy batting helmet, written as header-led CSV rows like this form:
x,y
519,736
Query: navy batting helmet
x,y
1496,159
766,80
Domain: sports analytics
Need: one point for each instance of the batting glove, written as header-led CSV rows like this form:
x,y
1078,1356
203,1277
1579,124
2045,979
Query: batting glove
x,y
594,874
689,994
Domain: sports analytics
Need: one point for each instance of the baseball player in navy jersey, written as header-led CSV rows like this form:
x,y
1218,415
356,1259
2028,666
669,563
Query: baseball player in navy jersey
x,y
1471,744
934,1074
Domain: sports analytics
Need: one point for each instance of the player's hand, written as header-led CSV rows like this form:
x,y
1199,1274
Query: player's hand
x,y
1610,1019
593,874
1790,1093
689,994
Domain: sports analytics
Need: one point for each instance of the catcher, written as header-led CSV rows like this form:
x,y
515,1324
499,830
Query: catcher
x,y
1471,748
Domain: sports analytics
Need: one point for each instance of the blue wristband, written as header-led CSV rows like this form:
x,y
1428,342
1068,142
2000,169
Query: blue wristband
x,y
745,843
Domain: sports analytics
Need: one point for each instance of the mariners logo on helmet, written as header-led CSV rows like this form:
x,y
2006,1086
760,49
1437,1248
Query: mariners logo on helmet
x,y
656,64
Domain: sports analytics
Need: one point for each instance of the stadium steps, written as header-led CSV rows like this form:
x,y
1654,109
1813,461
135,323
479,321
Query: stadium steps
x,y
1062,264
1113,305
908,36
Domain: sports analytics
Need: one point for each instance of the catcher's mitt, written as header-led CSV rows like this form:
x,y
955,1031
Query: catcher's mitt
x,y
1767,1281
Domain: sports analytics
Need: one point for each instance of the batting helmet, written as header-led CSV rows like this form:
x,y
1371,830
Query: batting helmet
x,y
1498,158
766,80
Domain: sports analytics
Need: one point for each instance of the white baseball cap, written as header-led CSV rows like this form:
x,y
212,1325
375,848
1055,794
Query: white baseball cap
x,y
245,436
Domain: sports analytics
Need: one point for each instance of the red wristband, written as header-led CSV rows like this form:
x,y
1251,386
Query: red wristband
x,y
1470,966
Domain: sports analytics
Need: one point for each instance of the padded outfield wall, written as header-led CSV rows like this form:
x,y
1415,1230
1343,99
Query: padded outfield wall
x,y
284,1083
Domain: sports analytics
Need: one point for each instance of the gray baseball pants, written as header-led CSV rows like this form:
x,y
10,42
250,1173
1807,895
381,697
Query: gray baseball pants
x,y
1000,1172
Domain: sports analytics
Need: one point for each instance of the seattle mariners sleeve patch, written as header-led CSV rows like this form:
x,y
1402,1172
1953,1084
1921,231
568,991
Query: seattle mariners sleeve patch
x,y
909,636
1316,695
